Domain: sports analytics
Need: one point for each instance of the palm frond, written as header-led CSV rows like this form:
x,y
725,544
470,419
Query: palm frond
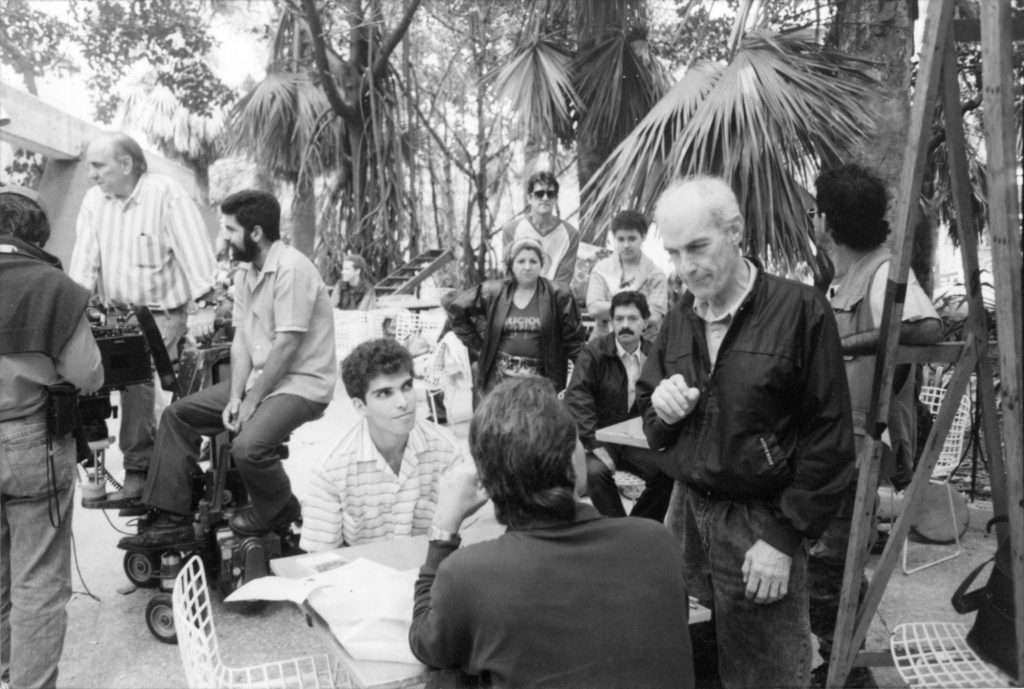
x,y
276,122
763,122
537,83
152,108
617,86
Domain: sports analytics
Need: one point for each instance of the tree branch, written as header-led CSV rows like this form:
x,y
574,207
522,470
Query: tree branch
x,y
316,30
380,65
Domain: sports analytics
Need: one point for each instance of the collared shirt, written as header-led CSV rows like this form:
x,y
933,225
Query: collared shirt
x,y
149,249
634,363
717,325
355,496
606,281
288,296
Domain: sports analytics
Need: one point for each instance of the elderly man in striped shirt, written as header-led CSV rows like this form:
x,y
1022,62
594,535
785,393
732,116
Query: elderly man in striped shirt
x,y
381,479
141,241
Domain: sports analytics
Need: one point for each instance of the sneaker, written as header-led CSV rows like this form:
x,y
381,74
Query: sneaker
x,y
166,529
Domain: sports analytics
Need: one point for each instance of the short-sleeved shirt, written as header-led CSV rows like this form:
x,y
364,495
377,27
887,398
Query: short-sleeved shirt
x,y
356,497
150,249
606,281
520,333
288,296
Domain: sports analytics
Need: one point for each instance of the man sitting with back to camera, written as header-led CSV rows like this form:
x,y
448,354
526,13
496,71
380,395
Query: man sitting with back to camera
x,y
283,372
565,597
602,392
381,479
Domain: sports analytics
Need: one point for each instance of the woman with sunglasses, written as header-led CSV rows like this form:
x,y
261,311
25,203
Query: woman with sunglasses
x,y
523,325
558,239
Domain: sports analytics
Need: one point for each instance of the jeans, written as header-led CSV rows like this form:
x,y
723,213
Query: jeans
x,y
35,556
603,492
169,480
142,405
758,645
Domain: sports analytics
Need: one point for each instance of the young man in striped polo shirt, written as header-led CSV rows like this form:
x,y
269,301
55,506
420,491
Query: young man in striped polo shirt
x,y
381,479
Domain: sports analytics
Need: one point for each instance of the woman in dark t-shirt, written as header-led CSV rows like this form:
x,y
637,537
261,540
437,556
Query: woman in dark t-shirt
x,y
524,325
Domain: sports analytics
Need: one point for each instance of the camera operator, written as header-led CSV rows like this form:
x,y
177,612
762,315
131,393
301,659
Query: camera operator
x,y
45,340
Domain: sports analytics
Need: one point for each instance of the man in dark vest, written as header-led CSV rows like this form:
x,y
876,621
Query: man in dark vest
x,y
851,228
45,339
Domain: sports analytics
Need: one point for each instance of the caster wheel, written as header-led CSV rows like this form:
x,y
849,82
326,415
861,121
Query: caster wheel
x,y
142,570
160,618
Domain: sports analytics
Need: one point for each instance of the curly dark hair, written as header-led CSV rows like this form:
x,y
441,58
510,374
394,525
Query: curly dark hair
x,y
522,439
381,357
252,207
630,220
630,298
23,218
544,177
853,200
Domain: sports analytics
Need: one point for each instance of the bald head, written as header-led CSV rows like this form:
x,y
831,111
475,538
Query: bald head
x,y
116,162
702,198
701,226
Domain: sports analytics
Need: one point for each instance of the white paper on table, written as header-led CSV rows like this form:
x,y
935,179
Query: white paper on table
x,y
368,607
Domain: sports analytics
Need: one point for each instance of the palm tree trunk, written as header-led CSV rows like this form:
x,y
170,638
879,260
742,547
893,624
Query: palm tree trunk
x,y
304,219
881,32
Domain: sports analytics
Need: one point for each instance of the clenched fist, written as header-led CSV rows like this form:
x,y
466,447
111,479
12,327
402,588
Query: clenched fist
x,y
674,399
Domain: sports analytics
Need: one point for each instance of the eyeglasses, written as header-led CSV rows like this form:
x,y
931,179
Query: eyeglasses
x,y
545,194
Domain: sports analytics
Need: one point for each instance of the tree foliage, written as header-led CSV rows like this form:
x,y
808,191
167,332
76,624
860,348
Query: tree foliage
x,y
172,36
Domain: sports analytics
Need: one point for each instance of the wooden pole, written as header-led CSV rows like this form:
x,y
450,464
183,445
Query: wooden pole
x,y
967,230
997,98
936,29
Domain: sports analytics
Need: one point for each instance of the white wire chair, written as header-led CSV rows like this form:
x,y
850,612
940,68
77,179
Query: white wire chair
x,y
200,652
949,459
936,654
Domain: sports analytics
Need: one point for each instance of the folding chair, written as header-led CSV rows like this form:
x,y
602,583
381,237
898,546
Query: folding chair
x,y
949,459
200,652
936,654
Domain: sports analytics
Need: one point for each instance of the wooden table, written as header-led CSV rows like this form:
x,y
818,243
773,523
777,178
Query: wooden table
x,y
629,432
401,553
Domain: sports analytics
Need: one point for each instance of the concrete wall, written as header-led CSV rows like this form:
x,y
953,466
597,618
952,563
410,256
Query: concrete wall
x,y
40,127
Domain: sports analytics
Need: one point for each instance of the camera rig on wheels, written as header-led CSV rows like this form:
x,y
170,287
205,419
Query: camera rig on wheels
x,y
231,560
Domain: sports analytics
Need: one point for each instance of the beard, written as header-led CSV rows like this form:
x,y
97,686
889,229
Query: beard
x,y
247,252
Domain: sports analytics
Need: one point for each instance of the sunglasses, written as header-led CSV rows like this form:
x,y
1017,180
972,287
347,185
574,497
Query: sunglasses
x,y
545,194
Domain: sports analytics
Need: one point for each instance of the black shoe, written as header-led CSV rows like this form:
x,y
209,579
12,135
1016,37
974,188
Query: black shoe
x,y
165,529
860,678
246,522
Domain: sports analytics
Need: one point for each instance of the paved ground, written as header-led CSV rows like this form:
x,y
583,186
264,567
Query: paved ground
x,y
108,644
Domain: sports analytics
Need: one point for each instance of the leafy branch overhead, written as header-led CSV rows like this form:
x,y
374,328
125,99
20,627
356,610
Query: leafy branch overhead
x,y
764,121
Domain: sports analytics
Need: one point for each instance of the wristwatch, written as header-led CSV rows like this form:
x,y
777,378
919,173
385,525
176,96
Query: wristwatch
x,y
435,533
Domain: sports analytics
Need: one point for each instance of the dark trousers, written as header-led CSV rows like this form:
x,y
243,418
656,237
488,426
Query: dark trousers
x,y
652,503
169,480
758,645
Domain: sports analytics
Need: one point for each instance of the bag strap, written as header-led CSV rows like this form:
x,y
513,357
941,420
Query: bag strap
x,y
964,602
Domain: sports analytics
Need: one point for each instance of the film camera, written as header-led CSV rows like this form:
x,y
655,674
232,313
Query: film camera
x,y
130,345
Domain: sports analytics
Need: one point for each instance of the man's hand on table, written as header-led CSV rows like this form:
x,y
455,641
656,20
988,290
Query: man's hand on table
x,y
201,324
460,494
766,573
674,399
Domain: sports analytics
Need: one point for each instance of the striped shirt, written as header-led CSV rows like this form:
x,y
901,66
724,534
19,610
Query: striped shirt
x,y
149,249
355,497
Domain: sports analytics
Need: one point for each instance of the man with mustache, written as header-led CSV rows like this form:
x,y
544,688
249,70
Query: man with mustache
x,y
602,393
283,370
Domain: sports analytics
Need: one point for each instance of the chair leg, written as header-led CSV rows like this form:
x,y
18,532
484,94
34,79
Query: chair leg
x,y
956,539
